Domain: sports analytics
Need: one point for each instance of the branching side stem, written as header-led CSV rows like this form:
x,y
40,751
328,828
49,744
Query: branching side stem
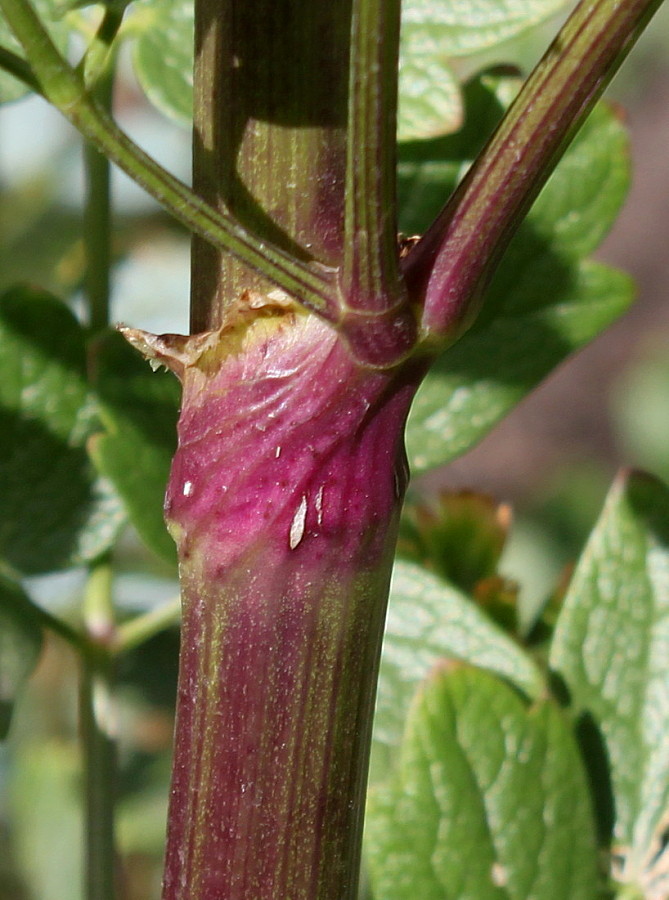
x,y
452,263
370,274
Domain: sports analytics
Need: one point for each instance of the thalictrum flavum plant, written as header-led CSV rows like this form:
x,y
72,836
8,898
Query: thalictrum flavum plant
x,y
516,753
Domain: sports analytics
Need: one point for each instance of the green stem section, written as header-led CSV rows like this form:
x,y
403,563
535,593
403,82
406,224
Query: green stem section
x,y
17,66
99,763
311,283
453,262
270,90
97,221
98,726
134,633
370,278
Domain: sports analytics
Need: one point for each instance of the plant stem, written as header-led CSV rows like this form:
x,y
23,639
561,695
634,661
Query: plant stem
x,y
451,265
19,68
284,497
98,737
370,277
97,221
132,634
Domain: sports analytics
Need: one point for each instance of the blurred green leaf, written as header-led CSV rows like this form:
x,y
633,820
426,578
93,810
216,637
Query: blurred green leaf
x,y
491,801
429,621
20,646
163,55
641,408
610,647
54,511
139,408
430,102
541,306
436,31
47,819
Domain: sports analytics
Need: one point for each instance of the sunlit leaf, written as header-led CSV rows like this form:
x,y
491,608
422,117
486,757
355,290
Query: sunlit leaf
x,y
611,648
428,622
490,802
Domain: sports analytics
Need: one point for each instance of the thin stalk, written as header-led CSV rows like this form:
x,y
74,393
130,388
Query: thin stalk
x,y
97,231
17,66
311,283
452,263
98,60
98,738
134,633
370,279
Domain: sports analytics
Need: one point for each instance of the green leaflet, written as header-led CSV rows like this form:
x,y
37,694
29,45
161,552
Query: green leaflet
x,y
544,302
491,800
429,621
610,648
20,646
55,511
474,384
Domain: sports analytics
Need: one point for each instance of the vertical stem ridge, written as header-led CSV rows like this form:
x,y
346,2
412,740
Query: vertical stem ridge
x,y
370,277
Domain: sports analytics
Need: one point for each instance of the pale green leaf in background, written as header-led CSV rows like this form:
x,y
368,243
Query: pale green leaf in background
x,y
434,32
491,800
611,648
47,819
163,55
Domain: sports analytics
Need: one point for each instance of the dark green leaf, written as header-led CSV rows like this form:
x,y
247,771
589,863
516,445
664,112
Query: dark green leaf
x,y
429,621
20,646
54,511
475,383
139,408
491,801
610,647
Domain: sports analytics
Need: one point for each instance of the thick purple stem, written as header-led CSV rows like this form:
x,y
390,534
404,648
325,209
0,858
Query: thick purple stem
x,y
284,498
